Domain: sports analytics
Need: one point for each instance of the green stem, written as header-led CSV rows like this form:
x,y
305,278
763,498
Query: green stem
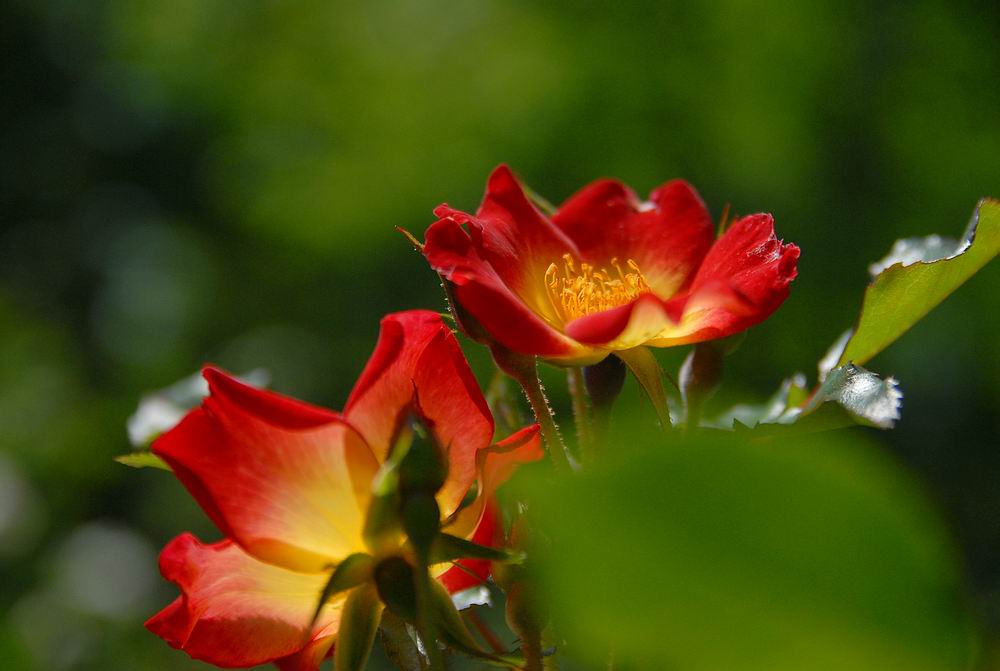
x,y
425,621
546,420
524,369
531,648
581,412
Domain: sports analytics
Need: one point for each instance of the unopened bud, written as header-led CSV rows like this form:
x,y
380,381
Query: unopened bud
x,y
421,518
699,378
604,381
423,469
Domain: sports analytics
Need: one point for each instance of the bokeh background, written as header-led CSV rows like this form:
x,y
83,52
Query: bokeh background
x,y
202,180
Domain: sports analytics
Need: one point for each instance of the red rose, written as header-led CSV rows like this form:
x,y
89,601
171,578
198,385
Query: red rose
x,y
607,271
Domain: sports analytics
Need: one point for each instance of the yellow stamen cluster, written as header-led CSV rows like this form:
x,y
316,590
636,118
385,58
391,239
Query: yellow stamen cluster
x,y
576,291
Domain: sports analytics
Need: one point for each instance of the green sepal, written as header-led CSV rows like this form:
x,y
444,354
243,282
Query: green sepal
x,y
453,632
354,570
449,548
649,374
358,625
142,460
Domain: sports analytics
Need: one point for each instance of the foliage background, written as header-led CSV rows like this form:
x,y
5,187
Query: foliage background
x,y
206,180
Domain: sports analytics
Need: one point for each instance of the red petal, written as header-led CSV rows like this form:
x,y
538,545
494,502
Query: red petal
x,y
498,464
288,482
235,611
483,294
417,354
502,459
310,657
668,237
513,236
745,277
749,258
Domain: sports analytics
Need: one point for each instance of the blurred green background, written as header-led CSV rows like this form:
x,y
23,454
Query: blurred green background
x,y
200,180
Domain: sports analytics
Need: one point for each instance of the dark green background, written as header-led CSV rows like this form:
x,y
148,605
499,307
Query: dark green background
x,y
205,180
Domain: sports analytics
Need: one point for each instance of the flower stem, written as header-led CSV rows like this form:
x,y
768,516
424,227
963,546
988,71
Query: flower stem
x,y
524,369
531,648
581,411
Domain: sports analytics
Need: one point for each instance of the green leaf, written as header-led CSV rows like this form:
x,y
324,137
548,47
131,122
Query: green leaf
x,y
790,394
449,548
815,554
142,460
354,570
358,624
904,293
647,371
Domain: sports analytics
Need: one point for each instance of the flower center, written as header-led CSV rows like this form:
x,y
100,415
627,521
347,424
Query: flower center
x,y
576,291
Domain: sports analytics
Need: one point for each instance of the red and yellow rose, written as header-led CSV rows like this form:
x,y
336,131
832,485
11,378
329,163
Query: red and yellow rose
x,y
288,484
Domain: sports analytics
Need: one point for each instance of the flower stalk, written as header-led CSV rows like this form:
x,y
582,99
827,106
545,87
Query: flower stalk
x,y
524,370
582,418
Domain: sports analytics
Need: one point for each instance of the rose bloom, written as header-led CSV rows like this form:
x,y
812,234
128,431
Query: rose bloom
x,y
289,484
607,271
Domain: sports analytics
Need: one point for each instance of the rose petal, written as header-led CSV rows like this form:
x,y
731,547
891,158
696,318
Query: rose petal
x,y
507,318
417,357
745,277
235,611
750,259
497,464
288,482
512,235
668,237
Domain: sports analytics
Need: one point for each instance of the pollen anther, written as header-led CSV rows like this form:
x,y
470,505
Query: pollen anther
x,y
575,292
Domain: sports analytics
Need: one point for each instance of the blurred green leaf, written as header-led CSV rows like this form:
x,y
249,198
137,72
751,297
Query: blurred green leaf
x,y
142,460
790,394
902,295
814,555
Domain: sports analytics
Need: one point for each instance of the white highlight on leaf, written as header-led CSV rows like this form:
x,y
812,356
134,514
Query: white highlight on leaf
x,y
869,398
908,251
